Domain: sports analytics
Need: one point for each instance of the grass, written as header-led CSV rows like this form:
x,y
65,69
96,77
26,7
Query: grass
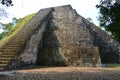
x,y
20,23
112,65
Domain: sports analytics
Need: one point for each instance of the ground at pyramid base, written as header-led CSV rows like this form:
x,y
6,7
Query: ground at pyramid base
x,y
59,36
62,73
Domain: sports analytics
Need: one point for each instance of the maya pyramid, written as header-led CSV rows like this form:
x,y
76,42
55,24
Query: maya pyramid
x,y
58,36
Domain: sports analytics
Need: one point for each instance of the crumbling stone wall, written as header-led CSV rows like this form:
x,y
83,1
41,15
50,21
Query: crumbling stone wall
x,y
109,48
70,28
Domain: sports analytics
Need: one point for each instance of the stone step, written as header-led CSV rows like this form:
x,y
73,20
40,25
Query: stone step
x,y
17,45
8,55
10,47
4,62
4,55
1,68
14,43
8,52
1,52
3,65
5,49
3,58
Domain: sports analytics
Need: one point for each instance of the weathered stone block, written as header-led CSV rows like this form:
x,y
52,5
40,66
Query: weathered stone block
x,y
69,55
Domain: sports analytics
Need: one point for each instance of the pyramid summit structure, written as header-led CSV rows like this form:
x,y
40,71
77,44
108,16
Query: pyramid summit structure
x,y
58,36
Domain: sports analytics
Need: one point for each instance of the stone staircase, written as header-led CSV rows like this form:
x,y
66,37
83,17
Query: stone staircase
x,y
14,44
9,50
7,53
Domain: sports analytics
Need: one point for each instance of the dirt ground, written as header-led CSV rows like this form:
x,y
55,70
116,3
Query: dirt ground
x,y
63,73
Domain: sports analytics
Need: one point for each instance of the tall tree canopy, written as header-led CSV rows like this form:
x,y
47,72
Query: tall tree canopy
x,y
3,12
6,2
7,27
109,17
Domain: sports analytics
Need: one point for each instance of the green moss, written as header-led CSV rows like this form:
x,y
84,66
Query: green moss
x,y
20,23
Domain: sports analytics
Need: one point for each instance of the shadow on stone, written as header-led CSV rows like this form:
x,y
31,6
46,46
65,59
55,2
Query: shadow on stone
x,y
49,53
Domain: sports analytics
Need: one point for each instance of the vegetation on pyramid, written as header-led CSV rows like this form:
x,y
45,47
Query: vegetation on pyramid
x,y
13,29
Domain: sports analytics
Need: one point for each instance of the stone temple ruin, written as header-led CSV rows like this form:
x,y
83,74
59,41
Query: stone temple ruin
x,y
58,36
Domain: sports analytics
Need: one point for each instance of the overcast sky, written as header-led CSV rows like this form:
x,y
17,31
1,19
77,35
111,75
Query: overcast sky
x,y
21,8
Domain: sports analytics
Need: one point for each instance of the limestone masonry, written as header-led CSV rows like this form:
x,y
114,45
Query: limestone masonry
x,y
59,36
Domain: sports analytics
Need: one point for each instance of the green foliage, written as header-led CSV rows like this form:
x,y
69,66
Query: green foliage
x,y
109,17
14,20
7,27
19,24
89,19
3,34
